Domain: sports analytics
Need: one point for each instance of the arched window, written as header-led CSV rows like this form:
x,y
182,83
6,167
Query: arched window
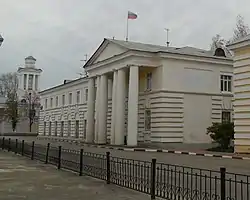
x,y
219,52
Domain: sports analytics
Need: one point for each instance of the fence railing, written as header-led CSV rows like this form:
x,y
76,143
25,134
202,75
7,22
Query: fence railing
x,y
167,181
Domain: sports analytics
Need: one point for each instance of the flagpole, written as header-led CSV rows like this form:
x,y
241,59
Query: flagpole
x,y
127,29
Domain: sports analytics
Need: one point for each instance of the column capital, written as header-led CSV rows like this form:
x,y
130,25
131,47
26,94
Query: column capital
x,y
114,70
132,65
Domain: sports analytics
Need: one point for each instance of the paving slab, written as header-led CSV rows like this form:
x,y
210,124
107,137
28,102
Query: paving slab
x,y
21,178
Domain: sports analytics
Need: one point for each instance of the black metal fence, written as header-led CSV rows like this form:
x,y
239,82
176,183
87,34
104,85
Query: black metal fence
x,y
167,181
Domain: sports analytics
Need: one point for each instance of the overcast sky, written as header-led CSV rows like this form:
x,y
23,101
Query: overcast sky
x,y
58,33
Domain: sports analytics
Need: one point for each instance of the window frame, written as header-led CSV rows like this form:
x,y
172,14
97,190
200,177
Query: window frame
x,y
86,94
63,100
70,98
78,97
226,82
51,102
227,117
147,119
57,101
46,103
149,80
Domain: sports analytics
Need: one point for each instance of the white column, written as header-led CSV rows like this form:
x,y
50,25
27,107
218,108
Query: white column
x,y
113,114
33,84
27,82
23,80
133,93
120,108
90,111
97,101
103,109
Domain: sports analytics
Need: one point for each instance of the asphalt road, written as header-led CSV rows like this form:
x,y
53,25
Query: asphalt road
x,y
211,163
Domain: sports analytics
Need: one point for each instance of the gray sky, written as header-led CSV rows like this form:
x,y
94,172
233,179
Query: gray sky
x,y
59,32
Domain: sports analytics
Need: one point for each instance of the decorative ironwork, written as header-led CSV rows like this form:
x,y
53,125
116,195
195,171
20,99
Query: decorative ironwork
x,y
157,179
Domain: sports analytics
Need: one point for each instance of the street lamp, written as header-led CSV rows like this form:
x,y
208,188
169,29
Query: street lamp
x,y
1,40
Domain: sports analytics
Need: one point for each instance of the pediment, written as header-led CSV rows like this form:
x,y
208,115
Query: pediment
x,y
106,50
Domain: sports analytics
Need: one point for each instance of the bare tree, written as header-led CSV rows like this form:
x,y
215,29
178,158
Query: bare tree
x,y
8,88
30,104
241,30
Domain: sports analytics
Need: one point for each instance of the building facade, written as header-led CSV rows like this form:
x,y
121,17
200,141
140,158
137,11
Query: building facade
x,y
146,93
241,50
64,110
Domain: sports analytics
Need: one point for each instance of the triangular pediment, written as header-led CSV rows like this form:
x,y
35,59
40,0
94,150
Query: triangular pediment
x,y
106,50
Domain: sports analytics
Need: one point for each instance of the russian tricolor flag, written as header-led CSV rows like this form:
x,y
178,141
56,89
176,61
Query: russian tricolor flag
x,y
132,15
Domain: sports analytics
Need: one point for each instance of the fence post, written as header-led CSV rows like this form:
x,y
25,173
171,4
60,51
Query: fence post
x,y
16,146
81,162
3,142
59,157
153,174
32,150
9,144
22,147
47,154
223,183
108,167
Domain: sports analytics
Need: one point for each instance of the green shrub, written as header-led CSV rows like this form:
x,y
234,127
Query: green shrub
x,y
222,133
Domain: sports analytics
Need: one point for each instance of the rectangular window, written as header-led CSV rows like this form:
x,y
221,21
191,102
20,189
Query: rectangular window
x,y
49,128
226,116
78,97
30,82
77,129
69,128
63,99
46,103
149,81
70,98
44,128
226,83
62,128
85,129
25,81
147,120
55,128
86,94
51,102
56,101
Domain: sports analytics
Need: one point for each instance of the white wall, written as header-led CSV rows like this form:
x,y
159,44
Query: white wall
x,y
203,101
191,76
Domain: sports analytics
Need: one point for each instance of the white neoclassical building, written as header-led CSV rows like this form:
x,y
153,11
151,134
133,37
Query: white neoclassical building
x,y
28,83
139,92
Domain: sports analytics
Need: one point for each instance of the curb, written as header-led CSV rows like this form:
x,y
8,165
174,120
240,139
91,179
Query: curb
x,y
145,149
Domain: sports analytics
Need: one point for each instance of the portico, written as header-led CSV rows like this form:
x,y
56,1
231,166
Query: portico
x,y
125,83
122,72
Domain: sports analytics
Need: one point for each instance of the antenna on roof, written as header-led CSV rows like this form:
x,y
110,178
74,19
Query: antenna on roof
x,y
85,59
167,30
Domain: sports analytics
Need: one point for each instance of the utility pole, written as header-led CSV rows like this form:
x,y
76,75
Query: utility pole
x,y
167,30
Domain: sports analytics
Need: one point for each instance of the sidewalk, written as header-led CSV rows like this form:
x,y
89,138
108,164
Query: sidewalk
x,y
23,179
192,151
